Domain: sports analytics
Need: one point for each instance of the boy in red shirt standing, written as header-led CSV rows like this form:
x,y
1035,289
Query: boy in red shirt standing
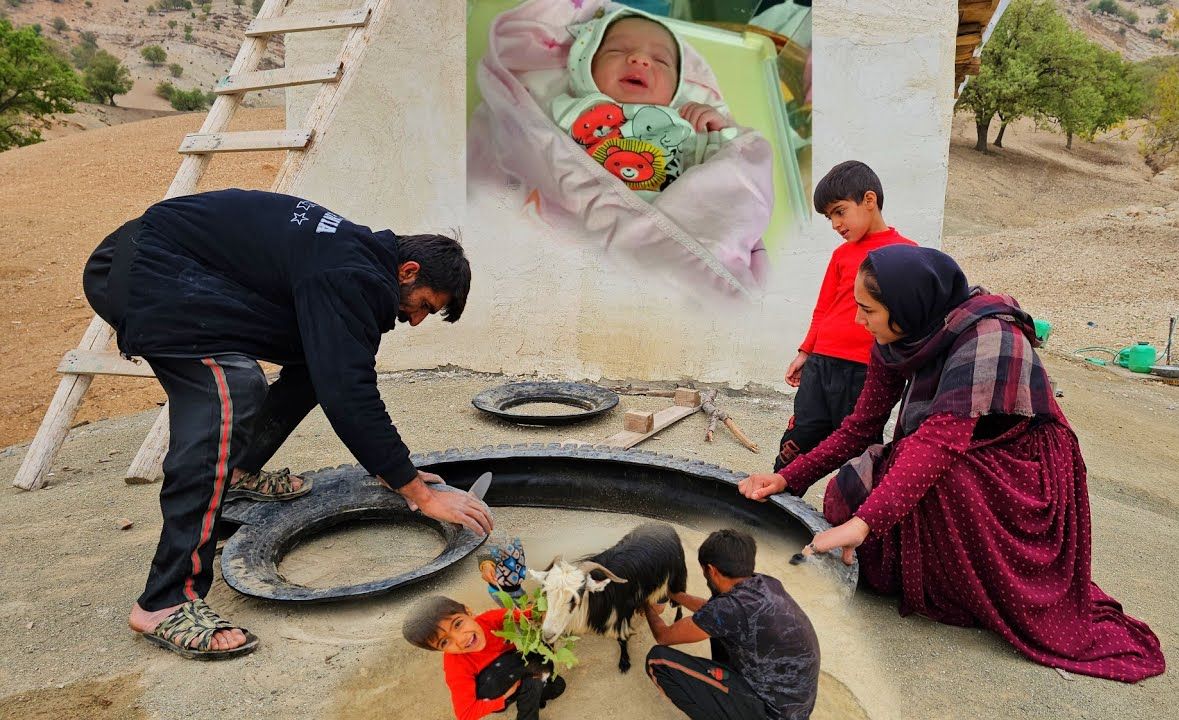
x,y
832,361
484,672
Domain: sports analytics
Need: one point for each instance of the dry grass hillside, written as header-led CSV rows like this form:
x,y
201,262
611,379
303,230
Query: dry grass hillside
x,y
1135,41
124,27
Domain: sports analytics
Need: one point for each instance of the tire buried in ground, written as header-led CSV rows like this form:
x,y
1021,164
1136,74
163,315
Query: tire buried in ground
x,y
590,399
570,477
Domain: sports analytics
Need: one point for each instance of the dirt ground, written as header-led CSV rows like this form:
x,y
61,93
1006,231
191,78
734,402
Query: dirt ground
x,y
1051,227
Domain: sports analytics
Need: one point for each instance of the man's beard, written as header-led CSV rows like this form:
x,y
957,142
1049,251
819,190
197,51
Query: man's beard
x,y
403,292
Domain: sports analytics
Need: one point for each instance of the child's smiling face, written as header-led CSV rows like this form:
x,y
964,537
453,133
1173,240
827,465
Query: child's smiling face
x,y
637,62
459,634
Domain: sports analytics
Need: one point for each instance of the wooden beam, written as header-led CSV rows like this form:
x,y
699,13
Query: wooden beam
x,y
663,419
357,17
102,362
971,39
281,77
198,143
686,397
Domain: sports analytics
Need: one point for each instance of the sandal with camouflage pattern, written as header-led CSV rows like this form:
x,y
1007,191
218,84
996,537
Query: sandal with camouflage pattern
x,y
189,631
266,485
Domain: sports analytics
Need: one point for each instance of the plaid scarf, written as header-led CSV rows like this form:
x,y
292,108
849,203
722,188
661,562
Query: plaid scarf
x,y
979,362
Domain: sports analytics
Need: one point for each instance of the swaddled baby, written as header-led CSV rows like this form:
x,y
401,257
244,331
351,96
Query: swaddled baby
x,y
625,105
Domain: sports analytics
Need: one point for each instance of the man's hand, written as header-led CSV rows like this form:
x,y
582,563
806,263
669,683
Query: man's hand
x,y
428,478
703,117
794,371
760,486
447,505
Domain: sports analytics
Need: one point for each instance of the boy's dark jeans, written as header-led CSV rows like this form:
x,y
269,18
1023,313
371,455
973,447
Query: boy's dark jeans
x,y
827,394
498,677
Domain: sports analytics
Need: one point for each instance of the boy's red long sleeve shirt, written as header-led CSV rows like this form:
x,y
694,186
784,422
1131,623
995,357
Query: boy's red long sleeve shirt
x,y
833,330
461,669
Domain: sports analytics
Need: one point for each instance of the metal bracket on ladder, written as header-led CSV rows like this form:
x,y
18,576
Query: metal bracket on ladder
x,y
91,357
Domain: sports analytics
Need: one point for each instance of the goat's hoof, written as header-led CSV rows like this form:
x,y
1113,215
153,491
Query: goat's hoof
x,y
623,665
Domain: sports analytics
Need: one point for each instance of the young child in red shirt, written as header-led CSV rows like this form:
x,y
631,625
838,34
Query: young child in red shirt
x,y
484,672
832,361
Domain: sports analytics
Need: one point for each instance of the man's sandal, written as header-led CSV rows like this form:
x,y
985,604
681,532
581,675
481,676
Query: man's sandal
x,y
189,631
266,485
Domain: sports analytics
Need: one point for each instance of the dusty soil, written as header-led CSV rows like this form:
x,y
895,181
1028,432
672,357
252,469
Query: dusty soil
x,y
1086,239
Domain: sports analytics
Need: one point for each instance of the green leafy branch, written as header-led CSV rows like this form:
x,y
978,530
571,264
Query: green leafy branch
x,y
525,633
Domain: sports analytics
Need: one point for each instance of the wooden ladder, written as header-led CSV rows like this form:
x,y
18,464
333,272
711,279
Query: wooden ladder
x,y
92,356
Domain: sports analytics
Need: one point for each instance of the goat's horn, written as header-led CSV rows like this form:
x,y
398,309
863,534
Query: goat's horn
x,y
556,559
589,565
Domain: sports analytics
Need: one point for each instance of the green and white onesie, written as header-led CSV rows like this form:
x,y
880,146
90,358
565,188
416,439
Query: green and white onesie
x,y
644,146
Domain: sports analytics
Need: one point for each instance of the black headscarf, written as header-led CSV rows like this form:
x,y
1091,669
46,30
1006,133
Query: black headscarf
x,y
919,286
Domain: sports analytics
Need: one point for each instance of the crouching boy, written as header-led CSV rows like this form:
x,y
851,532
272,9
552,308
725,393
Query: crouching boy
x,y
484,672
765,663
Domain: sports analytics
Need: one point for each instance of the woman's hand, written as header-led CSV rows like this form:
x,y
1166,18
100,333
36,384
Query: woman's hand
x,y
847,536
760,486
703,117
512,690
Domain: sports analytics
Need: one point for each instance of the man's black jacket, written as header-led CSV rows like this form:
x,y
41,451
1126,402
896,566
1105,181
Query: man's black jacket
x,y
276,278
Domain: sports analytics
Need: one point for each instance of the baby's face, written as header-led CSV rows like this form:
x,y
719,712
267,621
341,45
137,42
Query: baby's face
x,y
637,62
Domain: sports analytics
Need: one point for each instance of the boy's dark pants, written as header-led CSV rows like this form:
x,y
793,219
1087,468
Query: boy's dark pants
x,y
215,404
826,395
498,677
703,689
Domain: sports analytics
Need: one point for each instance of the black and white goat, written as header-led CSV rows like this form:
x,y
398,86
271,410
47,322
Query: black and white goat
x,y
601,593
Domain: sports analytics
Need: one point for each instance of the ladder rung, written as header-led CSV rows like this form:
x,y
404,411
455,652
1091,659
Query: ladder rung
x,y
282,77
196,143
312,21
102,362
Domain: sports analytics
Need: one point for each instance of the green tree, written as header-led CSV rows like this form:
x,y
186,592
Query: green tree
x,y
175,70
85,50
1026,46
154,55
106,77
60,25
34,83
188,100
1096,91
1161,142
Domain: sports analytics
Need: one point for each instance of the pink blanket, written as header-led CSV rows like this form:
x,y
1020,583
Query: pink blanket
x,y
705,227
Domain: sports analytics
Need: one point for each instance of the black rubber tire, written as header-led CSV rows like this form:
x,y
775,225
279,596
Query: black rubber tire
x,y
578,477
590,399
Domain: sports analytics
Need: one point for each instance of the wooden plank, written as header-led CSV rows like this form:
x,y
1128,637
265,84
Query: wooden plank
x,y
282,77
977,12
970,40
247,141
356,17
970,27
663,419
102,362
56,423
148,465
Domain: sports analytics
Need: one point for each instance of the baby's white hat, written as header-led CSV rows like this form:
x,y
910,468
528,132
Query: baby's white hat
x,y
588,36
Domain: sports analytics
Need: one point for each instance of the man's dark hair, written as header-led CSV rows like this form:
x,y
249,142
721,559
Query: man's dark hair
x,y
421,624
731,552
847,181
444,268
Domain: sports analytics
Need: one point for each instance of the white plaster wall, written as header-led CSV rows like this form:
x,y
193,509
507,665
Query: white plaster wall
x,y
883,81
542,303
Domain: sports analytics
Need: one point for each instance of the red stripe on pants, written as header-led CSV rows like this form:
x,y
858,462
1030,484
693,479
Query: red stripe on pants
x,y
222,471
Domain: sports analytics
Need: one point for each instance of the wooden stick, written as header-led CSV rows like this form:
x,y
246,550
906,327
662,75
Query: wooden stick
x,y
715,414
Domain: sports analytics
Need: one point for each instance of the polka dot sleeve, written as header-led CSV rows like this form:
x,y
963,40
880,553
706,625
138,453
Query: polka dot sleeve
x,y
882,390
921,460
